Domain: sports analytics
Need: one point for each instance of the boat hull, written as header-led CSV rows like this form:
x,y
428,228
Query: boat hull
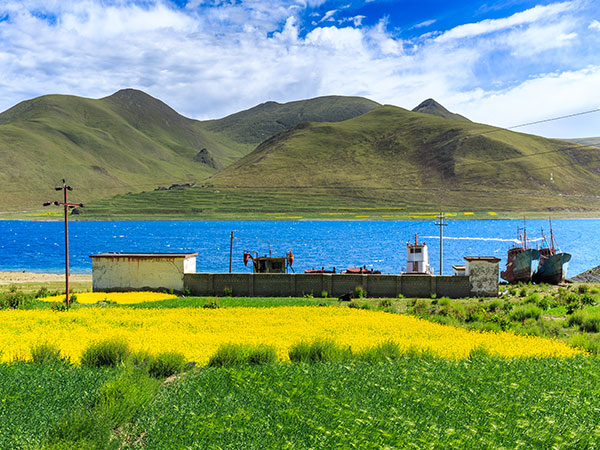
x,y
554,269
523,267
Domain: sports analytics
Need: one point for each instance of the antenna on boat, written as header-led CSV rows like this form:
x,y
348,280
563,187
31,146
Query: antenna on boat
x,y
524,233
551,235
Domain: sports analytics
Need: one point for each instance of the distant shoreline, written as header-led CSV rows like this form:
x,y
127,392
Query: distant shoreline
x,y
314,218
8,277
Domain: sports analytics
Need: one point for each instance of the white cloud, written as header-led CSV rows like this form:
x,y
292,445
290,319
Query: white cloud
x,y
328,16
492,25
207,62
595,25
425,23
543,97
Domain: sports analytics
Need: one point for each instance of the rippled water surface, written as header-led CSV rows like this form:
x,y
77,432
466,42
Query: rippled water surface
x,y
39,246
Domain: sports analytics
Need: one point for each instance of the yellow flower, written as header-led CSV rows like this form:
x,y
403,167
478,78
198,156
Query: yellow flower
x,y
121,298
198,332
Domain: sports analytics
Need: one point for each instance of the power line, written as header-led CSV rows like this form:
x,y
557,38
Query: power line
x,y
555,118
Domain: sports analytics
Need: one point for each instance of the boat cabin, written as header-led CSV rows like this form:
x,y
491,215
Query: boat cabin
x,y
417,257
269,264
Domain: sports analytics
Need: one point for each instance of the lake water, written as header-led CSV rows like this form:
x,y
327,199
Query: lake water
x,y
39,246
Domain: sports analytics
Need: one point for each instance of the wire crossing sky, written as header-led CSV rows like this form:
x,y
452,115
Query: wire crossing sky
x,y
501,63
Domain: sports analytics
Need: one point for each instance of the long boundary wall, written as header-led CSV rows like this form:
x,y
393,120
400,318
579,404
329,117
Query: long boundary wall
x,y
297,285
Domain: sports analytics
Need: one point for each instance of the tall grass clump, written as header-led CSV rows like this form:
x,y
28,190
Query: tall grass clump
x,y
588,343
387,351
166,364
46,354
586,320
15,299
320,350
360,292
528,311
110,353
229,355
120,400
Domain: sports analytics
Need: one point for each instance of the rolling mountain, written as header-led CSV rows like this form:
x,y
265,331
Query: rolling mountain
x,y
131,141
430,106
394,155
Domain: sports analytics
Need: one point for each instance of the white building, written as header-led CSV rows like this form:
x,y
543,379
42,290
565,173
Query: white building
x,y
141,271
417,258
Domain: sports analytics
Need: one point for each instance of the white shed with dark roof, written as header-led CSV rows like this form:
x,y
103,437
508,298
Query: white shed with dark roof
x,y
141,271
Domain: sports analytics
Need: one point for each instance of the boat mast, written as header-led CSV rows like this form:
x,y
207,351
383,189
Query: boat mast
x,y
552,249
524,234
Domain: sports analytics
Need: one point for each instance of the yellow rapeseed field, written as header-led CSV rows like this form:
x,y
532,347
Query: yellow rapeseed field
x,y
197,332
121,298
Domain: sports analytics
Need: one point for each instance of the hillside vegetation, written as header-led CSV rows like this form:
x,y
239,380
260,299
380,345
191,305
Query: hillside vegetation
x,y
394,155
130,142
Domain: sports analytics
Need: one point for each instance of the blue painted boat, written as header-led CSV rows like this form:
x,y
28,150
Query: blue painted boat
x,y
521,265
553,265
553,268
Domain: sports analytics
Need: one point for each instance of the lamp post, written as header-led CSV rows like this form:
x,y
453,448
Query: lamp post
x,y
65,188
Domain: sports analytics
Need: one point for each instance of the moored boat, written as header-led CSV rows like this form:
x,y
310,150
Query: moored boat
x,y
521,262
521,265
553,264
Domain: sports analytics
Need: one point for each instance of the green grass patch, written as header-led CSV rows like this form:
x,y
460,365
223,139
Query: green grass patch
x,y
35,397
232,302
109,353
320,350
230,355
484,402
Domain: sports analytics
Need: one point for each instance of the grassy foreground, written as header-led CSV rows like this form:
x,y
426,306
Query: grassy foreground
x,y
403,400
414,402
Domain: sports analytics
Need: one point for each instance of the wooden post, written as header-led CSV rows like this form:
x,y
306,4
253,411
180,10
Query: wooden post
x,y
230,251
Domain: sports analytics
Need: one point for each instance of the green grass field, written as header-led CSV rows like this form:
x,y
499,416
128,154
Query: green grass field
x,y
416,401
324,204
36,397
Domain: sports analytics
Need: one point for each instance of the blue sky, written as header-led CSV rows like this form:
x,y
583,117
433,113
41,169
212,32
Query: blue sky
x,y
502,63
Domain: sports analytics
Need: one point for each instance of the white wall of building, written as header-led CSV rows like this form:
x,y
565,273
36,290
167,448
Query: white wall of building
x,y
122,273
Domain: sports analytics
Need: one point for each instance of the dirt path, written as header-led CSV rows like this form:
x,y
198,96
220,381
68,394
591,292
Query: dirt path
x,y
8,278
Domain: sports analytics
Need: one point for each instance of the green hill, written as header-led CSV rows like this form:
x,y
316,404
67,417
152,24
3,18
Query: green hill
x,y
430,106
121,143
387,163
130,142
251,127
397,155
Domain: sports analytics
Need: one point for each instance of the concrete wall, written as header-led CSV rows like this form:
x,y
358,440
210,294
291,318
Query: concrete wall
x,y
296,285
120,273
484,277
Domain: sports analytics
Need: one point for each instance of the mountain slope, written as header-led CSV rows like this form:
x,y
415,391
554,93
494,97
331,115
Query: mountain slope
x,y
130,141
397,155
430,106
244,130
95,145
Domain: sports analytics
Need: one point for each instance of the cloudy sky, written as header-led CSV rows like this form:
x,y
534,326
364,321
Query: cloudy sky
x,y
504,63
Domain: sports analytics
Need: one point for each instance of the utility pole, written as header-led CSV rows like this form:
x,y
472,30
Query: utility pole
x,y
230,251
65,188
441,224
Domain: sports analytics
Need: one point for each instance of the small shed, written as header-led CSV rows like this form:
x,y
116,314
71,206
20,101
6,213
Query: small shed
x,y
141,271
483,275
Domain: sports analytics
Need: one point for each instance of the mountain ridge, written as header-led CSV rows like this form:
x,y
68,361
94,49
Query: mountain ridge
x,y
123,142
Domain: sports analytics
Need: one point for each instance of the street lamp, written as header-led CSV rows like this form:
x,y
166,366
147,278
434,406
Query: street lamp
x,y
65,188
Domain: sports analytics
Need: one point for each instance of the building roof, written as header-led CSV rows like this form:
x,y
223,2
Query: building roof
x,y
143,255
482,258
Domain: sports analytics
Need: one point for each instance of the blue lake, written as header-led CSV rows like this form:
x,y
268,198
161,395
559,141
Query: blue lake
x,y
39,246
